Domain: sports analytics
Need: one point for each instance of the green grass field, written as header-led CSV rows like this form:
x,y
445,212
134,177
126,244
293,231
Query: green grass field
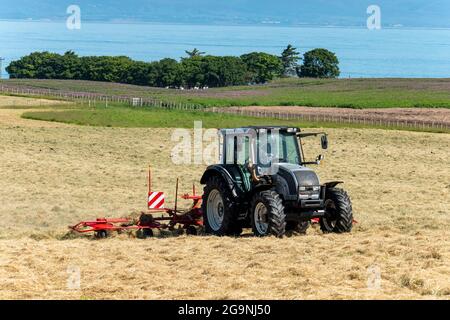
x,y
352,93
128,117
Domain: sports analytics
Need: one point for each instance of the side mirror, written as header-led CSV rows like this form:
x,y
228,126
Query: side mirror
x,y
324,141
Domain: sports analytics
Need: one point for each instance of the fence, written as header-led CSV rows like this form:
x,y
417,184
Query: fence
x,y
338,119
86,97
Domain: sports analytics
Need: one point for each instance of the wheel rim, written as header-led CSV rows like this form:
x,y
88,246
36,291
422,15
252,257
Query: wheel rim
x,y
261,218
215,210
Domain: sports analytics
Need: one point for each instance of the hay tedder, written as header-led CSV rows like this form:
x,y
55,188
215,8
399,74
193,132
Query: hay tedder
x,y
168,218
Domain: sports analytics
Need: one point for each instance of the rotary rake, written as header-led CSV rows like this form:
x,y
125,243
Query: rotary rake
x,y
168,218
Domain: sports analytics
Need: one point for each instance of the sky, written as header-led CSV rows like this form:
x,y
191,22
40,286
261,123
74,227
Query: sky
x,y
408,13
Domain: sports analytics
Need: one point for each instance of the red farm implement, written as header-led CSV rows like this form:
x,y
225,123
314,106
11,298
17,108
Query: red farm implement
x,y
168,218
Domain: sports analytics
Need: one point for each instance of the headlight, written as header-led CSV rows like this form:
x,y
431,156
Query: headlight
x,y
309,193
314,188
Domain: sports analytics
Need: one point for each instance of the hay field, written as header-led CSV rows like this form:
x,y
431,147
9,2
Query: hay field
x,y
23,102
53,175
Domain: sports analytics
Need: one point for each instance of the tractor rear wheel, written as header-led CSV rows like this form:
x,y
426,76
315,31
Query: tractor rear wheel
x,y
267,214
338,212
219,209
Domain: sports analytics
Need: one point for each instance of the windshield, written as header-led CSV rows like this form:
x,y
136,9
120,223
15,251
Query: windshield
x,y
289,151
281,149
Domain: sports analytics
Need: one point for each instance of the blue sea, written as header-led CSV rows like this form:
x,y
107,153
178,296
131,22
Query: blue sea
x,y
389,52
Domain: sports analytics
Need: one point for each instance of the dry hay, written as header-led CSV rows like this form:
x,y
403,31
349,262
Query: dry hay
x,y
15,101
55,176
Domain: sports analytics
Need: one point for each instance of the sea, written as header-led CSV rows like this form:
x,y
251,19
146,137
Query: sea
x,y
389,52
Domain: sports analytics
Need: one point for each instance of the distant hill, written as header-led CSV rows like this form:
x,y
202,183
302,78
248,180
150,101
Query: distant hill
x,y
411,13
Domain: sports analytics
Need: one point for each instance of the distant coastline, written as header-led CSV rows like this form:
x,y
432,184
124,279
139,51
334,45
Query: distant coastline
x,y
230,24
363,53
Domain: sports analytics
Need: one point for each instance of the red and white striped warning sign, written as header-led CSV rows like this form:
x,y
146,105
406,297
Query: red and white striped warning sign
x,y
156,200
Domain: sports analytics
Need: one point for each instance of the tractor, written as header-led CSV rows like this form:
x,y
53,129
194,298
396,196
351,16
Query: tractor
x,y
262,181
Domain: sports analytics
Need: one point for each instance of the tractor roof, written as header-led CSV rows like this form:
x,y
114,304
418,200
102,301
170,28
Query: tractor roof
x,y
259,128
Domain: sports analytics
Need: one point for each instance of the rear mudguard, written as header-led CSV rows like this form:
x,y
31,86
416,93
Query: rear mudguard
x,y
221,171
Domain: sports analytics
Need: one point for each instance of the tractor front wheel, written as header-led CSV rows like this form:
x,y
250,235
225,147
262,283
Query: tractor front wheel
x,y
267,215
338,212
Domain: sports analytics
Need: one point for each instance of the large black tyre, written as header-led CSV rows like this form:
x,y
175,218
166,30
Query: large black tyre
x,y
219,209
298,226
267,214
338,212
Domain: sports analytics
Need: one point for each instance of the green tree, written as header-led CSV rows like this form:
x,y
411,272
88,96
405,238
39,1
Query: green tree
x,y
137,73
194,53
289,58
39,65
222,71
213,71
168,73
104,68
72,65
320,63
25,67
232,71
197,70
193,72
262,67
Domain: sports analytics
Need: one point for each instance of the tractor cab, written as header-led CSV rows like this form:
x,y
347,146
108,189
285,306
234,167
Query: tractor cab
x,y
265,147
264,169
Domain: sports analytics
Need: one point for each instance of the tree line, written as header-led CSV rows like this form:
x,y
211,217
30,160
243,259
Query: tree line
x,y
195,70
